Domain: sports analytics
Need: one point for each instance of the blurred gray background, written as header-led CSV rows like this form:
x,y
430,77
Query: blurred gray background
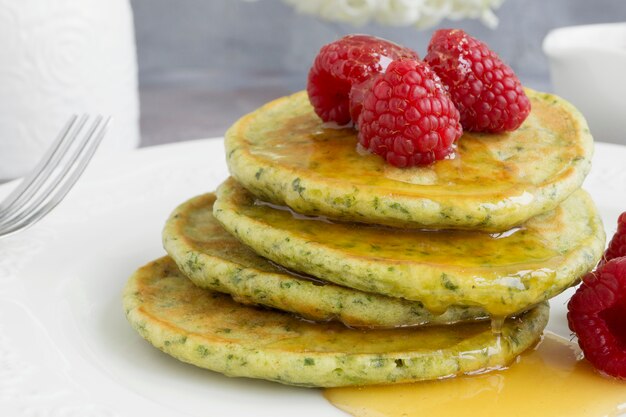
x,y
203,63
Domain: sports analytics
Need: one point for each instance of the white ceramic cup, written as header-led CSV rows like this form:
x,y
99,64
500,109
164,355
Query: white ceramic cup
x,y
588,68
62,57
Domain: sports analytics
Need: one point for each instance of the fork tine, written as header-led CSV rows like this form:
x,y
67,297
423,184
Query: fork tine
x,y
48,162
47,176
58,188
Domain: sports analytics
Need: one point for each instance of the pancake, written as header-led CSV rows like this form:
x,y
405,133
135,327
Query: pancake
x,y
212,258
285,154
210,330
503,273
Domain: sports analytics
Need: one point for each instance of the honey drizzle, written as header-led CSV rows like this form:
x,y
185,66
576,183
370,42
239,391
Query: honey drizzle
x,y
496,324
483,164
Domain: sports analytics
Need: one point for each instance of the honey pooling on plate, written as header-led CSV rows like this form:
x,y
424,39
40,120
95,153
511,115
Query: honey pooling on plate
x,y
549,380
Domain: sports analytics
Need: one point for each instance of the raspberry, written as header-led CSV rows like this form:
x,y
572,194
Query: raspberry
x,y
340,64
617,246
407,116
596,314
357,95
488,94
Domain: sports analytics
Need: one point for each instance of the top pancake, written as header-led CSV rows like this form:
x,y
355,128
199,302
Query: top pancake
x,y
285,154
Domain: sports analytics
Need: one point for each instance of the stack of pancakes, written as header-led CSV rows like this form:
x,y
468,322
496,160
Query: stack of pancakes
x,y
319,265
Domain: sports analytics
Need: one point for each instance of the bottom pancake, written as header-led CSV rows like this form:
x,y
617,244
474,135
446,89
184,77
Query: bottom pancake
x,y
210,330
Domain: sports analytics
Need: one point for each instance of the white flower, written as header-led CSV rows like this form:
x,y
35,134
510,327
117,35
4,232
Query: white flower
x,y
419,13
357,12
399,12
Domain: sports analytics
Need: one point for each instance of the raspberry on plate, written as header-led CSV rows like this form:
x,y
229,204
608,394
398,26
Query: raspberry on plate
x,y
617,246
596,314
487,93
343,63
407,117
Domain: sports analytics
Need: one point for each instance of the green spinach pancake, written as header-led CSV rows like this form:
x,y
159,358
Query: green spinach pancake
x,y
210,330
503,273
285,154
212,258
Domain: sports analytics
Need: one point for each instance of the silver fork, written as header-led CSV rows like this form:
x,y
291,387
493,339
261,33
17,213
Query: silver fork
x,y
55,174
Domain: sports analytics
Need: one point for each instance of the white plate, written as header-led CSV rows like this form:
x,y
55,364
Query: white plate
x,y
66,349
